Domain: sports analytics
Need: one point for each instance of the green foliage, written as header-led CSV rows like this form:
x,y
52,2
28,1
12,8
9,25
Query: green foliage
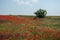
x,y
41,13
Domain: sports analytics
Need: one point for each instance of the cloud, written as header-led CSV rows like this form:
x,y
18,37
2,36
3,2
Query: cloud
x,y
25,2
35,1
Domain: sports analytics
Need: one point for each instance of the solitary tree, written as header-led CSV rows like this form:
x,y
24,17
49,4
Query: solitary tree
x,y
41,13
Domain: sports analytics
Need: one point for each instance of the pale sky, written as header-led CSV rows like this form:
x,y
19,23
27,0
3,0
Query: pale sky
x,y
28,7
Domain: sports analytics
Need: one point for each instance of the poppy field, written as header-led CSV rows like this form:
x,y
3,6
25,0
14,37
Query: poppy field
x,y
28,28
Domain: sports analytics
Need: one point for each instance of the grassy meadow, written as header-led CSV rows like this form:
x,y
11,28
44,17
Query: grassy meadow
x,y
28,28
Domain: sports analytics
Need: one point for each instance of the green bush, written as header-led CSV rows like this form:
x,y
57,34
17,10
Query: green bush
x,y
41,13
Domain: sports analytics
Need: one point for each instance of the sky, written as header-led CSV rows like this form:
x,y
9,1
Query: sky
x,y
28,7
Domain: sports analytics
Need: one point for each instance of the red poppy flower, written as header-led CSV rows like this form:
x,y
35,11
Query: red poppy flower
x,y
17,35
30,30
27,34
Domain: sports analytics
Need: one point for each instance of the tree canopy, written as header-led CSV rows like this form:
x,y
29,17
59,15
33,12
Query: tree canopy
x,y
41,13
